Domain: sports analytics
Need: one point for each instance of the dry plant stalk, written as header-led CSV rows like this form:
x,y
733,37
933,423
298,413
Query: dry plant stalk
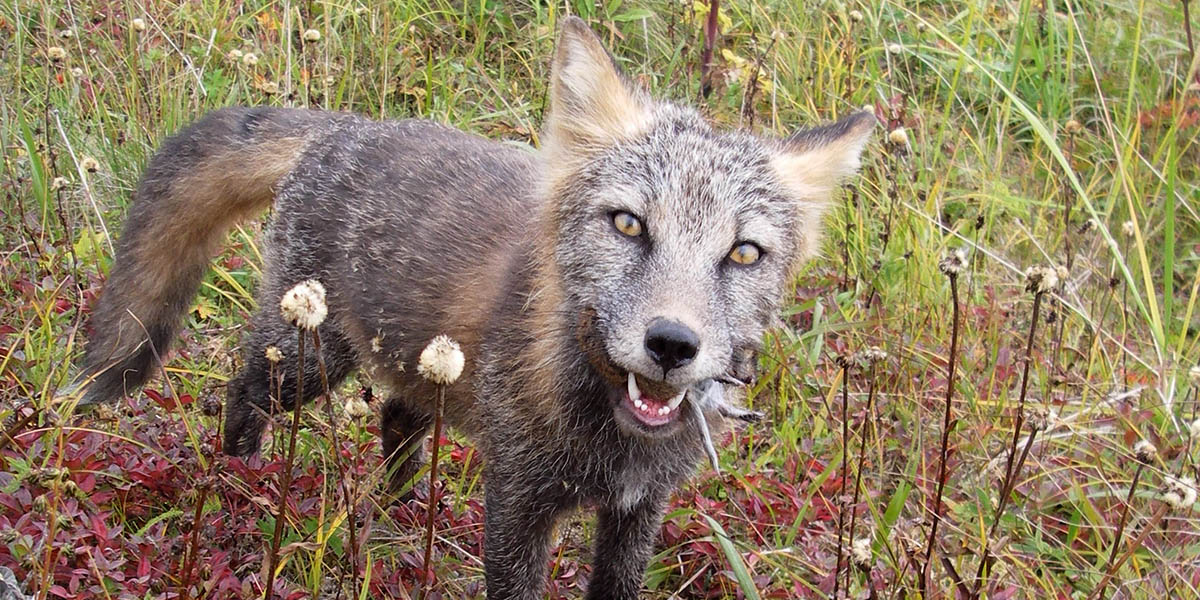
x,y
304,307
950,266
441,363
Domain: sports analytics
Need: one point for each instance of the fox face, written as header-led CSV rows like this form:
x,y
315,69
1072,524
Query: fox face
x,y
672,241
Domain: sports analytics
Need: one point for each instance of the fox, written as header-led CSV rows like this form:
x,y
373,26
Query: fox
x,y
602,287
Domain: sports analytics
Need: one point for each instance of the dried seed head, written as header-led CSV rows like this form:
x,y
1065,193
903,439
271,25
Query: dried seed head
x,y
273,354
894,48
1194,375
250,59
874,354
312,35
1194,429
59,183
235,54
1041,280
1145,452
1037,417
1194,87
954,262
303,306
1128,228
357,408
76,72
856,16
1179,492
860,552
56,53
269,88
441,361
138,24
89,164
1074,126
898,137
67,33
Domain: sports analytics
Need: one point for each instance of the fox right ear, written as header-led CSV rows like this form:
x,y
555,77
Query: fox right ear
x,y
592,106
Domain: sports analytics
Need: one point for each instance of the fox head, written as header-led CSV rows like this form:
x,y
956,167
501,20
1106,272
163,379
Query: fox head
x,y
670,243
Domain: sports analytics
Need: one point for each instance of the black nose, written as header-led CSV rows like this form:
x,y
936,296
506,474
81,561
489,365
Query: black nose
x,y
671,344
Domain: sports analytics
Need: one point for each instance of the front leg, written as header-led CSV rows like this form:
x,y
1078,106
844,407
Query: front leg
x,y
518,522
624,543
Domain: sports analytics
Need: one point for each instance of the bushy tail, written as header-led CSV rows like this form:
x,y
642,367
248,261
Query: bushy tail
x,y
204,180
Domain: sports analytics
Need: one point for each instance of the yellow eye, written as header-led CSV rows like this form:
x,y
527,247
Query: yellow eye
x,y
745,253
627,224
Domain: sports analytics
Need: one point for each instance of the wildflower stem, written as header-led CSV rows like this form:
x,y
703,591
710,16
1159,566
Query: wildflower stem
x,y
1112,556
862,458
286,479
1010,473
426,574
946,420
337,458
837,566
1151,525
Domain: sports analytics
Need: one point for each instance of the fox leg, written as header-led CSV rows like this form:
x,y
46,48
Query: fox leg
x,y
624,544
248,395
403,435
518,521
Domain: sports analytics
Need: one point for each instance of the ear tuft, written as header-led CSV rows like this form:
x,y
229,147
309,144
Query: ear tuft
x,y
812,162
592,106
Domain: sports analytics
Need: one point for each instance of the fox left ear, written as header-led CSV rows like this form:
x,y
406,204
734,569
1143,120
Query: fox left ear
x,y
811,163
592,106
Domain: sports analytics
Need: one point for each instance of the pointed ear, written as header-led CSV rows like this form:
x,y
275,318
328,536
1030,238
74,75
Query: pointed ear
x,y
592,106
812,162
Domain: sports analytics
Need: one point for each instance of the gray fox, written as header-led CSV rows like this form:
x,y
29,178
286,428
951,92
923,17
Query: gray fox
x,y
596,286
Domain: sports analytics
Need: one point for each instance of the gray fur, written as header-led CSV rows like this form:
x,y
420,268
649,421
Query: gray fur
x,y
417,229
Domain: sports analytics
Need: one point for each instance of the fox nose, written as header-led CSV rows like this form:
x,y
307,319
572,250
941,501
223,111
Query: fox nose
x,y
671,344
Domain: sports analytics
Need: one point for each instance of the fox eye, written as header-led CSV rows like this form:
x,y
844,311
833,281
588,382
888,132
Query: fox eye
x,y
627,224
745,253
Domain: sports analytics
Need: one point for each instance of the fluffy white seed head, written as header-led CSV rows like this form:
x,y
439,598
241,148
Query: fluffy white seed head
x,y
139,24
1179,492
1194,375
89,164
898,136
56,53
235,54
59,183
441,361
357,408
1041,280
273,354
1074,126
954,261
1145,451
856,16
312,35
303,306
860,551
250,59
1128,228
1194,429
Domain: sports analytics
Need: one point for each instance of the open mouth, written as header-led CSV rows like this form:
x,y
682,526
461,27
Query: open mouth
x,y
649,406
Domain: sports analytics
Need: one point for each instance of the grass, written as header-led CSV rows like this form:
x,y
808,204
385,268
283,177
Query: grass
x,y
1062,136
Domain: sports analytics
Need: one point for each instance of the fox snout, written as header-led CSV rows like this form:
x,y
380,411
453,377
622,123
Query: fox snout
x,y
671,344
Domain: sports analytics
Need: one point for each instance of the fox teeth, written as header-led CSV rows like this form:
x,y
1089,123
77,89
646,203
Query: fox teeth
x,y
634,393
676,401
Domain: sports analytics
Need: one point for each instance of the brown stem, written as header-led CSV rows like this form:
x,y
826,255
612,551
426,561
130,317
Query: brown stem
x,y
286,481
710,38
946,420
1112,556
1133,546
426,574
862,459
837,566
337,458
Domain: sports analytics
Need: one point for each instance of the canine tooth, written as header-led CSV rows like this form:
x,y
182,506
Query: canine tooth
x,y
634,393
677,400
